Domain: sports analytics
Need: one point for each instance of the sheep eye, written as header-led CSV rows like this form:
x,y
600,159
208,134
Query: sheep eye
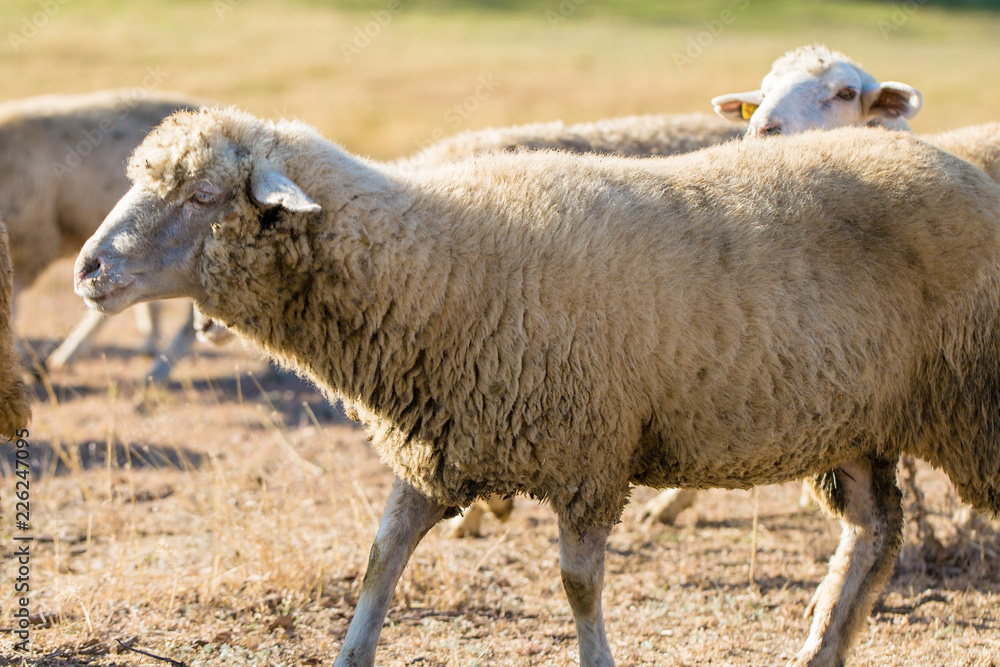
x,y
847,94
203,198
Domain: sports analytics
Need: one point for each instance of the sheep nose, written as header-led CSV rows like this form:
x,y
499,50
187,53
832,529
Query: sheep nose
x,y
90,268
768,129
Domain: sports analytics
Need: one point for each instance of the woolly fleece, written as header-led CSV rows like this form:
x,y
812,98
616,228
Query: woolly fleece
x,y
565,326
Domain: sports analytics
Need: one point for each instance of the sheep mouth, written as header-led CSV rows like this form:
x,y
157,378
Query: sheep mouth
x,y
106,297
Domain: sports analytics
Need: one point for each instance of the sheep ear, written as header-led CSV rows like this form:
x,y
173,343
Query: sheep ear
x,y
891,99
738,107
271,188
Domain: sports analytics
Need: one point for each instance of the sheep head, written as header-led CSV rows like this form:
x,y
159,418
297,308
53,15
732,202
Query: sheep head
x,y
815,88
197,176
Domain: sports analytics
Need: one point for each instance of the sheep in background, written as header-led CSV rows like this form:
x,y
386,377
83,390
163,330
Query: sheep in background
x,y
63,158
638,136
813,87
568,326
978,144
808,88
15,409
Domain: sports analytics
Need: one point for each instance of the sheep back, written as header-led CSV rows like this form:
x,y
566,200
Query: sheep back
x,y
662,134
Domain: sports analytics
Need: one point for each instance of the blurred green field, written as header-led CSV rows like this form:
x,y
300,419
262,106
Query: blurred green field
x,y
383,82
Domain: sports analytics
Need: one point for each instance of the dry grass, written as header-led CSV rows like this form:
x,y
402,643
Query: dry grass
x,y
227,524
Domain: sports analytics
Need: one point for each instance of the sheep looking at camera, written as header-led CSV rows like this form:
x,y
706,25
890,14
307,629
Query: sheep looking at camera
x,y
567,326
814,87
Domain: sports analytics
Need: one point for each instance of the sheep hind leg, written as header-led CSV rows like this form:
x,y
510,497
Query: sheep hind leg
x,y
407,518
865,496
667,504
469,523
581,559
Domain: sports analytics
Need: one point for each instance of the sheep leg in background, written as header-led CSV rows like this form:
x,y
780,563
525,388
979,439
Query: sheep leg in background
x,y
177,349
865,496
407,518
147,320
468,524
806,494
76,340
667,504
146,317
581,559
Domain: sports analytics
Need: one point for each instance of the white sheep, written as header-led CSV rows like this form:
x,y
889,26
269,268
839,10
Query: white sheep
x,y
814,87
63,157
567,326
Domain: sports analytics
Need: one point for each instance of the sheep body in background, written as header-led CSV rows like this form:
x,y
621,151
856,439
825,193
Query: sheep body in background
x,y
637,136
62,161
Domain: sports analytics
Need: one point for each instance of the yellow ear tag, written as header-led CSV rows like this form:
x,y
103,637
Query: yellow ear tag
x,y
747,109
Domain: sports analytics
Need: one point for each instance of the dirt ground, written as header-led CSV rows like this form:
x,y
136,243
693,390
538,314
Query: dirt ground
x,y
226,520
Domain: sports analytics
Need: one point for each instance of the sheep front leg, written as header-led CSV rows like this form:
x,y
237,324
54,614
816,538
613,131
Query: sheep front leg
x,y
865,495
407,518
581,558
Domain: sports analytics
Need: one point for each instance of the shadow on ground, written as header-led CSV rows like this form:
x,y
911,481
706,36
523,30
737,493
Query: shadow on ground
x,y
48,460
